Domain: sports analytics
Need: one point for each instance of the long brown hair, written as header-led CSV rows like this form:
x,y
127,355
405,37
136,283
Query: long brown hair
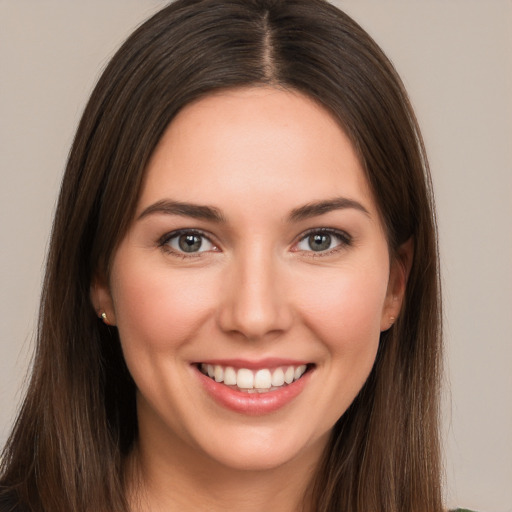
x,y
78,420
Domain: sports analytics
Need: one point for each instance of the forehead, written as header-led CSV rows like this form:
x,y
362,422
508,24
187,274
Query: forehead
x,y
250,148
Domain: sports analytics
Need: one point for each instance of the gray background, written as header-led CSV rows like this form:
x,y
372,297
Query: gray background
x,y
455,59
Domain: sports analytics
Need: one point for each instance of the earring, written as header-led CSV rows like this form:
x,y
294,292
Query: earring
x,y
392,320
104,318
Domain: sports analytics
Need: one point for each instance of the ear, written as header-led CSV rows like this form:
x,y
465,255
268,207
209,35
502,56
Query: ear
x,y
400,268
101,299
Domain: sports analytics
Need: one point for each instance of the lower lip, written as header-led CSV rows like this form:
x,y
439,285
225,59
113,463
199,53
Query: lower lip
x,y
253,404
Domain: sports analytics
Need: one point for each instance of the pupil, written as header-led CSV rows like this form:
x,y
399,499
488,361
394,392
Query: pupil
x,y
320,242
190,243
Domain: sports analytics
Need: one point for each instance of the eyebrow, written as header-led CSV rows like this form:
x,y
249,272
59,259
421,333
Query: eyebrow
x,y
322,207
210,213
195,211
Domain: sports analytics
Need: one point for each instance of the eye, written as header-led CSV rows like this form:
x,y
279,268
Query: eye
x,y
323,240
187,242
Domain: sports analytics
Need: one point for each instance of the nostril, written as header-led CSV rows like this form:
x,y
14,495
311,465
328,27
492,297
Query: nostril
x,y
253,303
254,323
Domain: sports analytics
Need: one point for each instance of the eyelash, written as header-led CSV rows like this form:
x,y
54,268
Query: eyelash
x,y
164,241
344,241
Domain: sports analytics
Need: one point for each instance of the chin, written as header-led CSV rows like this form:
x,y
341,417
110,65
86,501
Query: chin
x,y
260,449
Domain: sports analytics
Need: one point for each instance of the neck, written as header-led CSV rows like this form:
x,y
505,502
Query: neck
x,y
176,478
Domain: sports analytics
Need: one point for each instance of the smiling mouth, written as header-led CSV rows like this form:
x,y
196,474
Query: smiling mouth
x,y
263,380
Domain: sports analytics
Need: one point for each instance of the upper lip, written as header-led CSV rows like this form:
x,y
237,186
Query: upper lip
x,y
253,364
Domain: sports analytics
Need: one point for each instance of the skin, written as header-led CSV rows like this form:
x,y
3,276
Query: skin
x,y
255,290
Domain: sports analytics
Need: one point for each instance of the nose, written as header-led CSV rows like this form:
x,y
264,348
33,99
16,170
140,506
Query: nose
x,y
254,303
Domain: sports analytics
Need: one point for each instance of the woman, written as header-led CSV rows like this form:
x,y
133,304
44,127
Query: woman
x,y
241,304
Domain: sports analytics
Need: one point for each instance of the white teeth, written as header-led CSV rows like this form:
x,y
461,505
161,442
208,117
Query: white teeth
x,y
278,377
260,381
300,371
219,373
263,379
289,374
230,376
245,379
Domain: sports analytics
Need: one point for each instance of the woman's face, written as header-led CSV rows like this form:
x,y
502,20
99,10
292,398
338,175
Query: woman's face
x,y
253,284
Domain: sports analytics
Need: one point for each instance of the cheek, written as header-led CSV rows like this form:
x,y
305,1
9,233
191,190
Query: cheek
x,y
159,310
344,315
345,308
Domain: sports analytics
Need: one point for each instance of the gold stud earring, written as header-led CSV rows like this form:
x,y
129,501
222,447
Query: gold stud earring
x,y
391,320
104,317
